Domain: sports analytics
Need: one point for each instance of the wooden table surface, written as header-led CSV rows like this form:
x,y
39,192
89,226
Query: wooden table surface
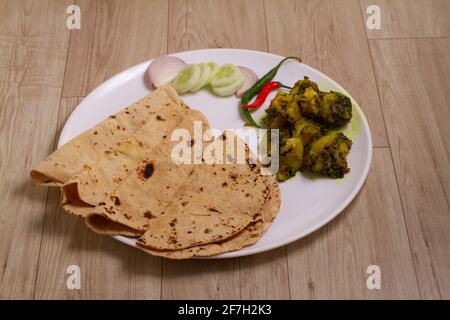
x,y
400,74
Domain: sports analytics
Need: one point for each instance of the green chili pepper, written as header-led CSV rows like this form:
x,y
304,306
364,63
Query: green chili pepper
x,y
256,88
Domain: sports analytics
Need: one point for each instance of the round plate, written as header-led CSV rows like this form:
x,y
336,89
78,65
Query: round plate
x,y
306,204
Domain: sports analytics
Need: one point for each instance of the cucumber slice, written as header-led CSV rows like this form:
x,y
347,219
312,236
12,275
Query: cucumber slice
x,y
225,76
214,68
187,78
204,77
231,89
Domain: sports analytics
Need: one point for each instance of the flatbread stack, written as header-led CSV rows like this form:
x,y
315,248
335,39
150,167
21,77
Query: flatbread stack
x,y
121,178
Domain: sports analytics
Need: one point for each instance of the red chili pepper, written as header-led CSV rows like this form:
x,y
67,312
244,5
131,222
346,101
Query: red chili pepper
x,y
268,87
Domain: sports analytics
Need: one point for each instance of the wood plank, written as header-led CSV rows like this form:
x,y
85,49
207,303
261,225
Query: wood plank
x,y
329,35
410,18
332,263
114,35
109,269
33,49
200,279
413,79
177,37
265,276
216,24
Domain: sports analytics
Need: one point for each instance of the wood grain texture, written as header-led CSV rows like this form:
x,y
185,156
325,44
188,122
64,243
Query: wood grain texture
x,y
33,47
265,275
399,221
114,35
413,79
200,279
332,263
410,18
177,36
109,269
329,36
220,24
216,24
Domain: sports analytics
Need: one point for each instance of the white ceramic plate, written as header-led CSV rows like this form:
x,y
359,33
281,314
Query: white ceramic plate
x,y
306,204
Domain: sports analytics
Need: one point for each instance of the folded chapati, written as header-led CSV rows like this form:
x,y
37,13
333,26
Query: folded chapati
x,y
260,221
119,176
89,147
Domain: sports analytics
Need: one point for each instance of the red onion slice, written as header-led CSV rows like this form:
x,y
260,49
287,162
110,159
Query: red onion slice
x,y
164,69
250,77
